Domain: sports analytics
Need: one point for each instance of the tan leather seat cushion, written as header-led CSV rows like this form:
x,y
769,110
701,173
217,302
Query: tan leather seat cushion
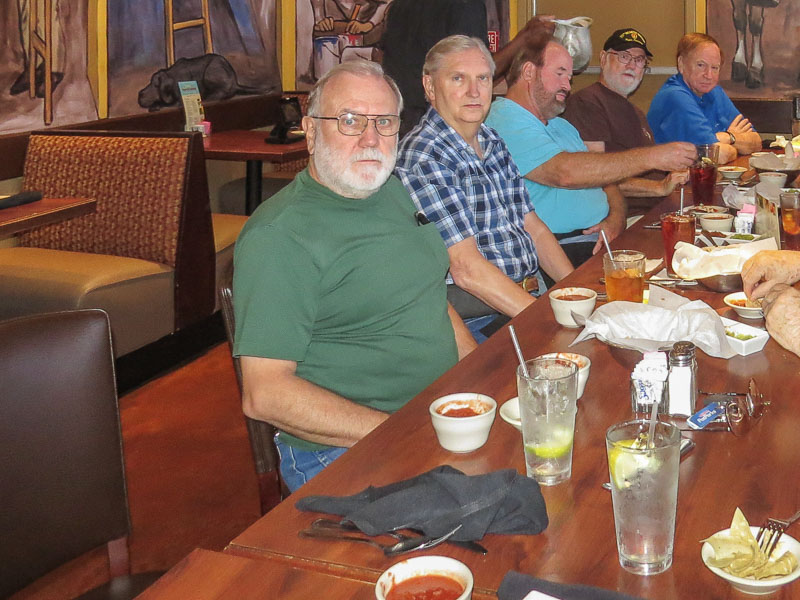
x,y
226,230
37,280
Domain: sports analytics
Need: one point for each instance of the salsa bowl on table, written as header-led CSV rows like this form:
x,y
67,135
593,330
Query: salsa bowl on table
x,y
462,421
431,577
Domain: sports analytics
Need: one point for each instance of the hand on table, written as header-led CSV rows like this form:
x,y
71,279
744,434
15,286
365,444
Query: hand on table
x,y
768,268
782,312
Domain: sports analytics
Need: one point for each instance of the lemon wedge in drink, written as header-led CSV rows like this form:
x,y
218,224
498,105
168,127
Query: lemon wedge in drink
x,y
624,466
558,443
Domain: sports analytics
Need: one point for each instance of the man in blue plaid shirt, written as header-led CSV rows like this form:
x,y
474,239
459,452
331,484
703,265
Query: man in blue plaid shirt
x,y
461,175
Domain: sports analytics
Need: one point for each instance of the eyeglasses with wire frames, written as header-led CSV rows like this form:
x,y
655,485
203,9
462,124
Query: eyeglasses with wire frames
x,y
625,58
356,124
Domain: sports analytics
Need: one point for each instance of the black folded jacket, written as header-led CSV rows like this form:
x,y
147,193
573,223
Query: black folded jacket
x,y
502,502
515,586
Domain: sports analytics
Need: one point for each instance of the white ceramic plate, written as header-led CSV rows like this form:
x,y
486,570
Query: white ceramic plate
x,y
743,311
704,209
509,412
756,586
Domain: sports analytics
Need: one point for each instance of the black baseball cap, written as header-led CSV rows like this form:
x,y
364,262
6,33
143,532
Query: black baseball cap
x,y
624,39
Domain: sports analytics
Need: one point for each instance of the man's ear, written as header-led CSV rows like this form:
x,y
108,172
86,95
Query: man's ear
x,y
680,65
528,71
310,129
427,84
603,58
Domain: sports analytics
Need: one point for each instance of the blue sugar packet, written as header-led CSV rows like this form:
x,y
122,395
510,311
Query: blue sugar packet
x,y
709,413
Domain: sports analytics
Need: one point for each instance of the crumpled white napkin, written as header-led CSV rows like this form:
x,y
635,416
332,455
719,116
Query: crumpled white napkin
x,y
774,162
735,198
691,262
666,319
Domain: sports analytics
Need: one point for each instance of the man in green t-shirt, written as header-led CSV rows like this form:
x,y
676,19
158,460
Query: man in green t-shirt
x,y
339,285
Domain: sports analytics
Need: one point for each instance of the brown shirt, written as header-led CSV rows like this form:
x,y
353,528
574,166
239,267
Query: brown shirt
x,y
600,114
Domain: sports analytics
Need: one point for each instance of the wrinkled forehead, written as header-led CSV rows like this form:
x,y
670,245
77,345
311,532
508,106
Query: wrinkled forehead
x,y
364,94
707,52
470,61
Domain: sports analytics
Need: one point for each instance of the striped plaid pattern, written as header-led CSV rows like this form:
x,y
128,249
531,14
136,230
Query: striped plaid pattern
x,y
468,197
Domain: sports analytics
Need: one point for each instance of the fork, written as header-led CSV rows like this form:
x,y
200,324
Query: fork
x,y
770,533
407,545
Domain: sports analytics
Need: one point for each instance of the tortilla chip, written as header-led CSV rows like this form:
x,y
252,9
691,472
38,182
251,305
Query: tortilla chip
x,y
737,552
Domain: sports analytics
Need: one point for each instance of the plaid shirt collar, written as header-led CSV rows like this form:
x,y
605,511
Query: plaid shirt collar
x,y
435,127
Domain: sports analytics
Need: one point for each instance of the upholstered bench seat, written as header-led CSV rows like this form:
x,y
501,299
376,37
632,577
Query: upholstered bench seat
x,y
39,280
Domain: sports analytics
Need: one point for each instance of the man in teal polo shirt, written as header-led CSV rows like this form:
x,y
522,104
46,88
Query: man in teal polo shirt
x,y
339,285
573,190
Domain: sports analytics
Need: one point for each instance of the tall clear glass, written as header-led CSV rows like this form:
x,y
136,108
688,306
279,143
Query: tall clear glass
x,y
703,174
547,405
644,492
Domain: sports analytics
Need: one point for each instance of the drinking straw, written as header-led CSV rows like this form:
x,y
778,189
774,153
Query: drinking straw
x,y
522,364
608,248
680,211
651,442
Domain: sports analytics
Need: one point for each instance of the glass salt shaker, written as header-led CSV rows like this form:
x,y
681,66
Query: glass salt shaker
x,y
682,380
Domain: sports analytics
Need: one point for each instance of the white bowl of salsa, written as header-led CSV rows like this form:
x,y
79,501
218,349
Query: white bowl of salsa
x,y
425,578
462,421
568,300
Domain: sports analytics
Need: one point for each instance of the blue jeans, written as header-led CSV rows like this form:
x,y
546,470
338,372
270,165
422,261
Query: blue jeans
x,y
298,466
475,324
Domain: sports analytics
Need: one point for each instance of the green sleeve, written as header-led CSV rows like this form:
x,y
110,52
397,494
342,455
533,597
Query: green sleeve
x,y
275,289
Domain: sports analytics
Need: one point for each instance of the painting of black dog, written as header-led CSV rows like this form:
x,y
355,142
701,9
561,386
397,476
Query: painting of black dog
x,y
214,75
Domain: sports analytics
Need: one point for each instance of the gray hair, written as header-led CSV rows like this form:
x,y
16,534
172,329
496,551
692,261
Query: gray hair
x,y
362,68
449,45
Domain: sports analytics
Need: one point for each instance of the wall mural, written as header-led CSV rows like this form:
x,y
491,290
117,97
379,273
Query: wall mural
x,y
329,32
761,43
130,61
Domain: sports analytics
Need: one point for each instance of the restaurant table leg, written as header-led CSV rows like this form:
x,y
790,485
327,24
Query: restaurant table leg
x,y
252,186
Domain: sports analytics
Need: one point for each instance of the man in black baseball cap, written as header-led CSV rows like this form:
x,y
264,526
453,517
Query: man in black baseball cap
x,y
625,39
602,112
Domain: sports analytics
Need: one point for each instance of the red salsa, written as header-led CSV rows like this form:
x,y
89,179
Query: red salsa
x,y
573,297
426,587
459,409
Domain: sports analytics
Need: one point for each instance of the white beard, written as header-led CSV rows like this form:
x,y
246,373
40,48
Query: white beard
x,y
340,175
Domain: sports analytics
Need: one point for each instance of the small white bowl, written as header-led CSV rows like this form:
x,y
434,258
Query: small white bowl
x,y
777,179
509,412
425,565
742,311
563,309
731,173
756,586
754,344
583,362
716,222
463,434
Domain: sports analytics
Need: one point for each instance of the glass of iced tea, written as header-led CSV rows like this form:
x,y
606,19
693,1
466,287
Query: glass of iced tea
x,y
624,273
676,227
703,174
790,220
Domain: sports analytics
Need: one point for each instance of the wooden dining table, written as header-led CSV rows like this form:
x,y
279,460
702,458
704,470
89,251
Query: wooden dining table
x,y
757,472
251,146
46,211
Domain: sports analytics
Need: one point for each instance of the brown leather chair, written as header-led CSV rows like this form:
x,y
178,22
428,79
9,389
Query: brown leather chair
x,y
147,256
61,465
271,488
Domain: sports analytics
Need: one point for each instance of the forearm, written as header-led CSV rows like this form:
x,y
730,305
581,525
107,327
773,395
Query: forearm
x,y
576,170
782,313
639,187
551,255
464,340
303,409
473,273
747,143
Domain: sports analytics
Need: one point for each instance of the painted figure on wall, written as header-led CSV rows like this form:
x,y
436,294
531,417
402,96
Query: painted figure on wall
x,y
760,39
133,54
329,32
22,82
